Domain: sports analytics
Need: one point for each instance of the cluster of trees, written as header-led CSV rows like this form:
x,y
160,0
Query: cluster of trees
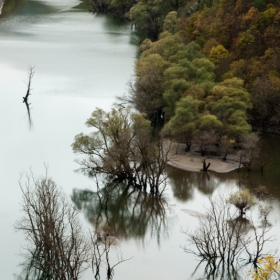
x,y
122,145
185,85
118,7
58,247
241,37
223,238
146,15
176,87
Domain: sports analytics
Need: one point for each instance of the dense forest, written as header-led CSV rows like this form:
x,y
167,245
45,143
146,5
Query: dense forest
x,y
236,42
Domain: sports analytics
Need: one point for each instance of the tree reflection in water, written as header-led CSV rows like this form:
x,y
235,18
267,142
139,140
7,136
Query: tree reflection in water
x,y
30,272
222,272
123,212
102,245
183,186
29,115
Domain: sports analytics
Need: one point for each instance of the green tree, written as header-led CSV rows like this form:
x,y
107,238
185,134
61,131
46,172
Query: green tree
x,y
147,91
122,146
229,101
193,69
225,145
122,6
148,17
260,4
183,125
218,53
170,22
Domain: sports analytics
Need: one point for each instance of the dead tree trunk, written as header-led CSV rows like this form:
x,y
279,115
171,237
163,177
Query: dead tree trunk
x,y
30,76
205,166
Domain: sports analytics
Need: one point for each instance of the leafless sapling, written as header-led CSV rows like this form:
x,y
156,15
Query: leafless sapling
x,y
30,77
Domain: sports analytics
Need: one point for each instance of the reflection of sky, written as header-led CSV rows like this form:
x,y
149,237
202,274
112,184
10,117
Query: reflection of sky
x,y
75,71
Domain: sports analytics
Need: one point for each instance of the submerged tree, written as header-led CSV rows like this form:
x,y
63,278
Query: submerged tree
x,y
122,146
242,200
223,239
57,247
30,77
216,240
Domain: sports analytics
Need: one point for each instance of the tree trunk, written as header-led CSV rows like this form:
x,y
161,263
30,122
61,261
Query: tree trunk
x,y
188,147
205,166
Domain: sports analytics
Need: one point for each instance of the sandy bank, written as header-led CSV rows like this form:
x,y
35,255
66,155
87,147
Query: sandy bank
x,y
192,161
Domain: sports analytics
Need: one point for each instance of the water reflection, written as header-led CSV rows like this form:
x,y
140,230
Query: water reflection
x,y
102,248
29,115
223,272
123,212
30,272
184,183
25,98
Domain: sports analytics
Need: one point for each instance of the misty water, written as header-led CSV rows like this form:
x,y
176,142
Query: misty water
x,y
82,61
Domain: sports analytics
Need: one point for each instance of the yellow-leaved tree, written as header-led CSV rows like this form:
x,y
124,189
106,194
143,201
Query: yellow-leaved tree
x,y
269,269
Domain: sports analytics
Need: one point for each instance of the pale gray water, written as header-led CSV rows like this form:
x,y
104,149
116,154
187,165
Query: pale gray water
x,y
81,61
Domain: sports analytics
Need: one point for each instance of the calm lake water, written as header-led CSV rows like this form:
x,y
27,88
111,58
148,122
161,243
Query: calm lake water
x,y
83,61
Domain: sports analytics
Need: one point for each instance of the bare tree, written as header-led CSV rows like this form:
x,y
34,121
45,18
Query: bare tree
x,y
205,140
57,247
205,166
225,239
30,76
101,255
216,240
250,150
256,245
266,155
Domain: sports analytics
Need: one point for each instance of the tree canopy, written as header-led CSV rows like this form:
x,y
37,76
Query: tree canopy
x,y
122,145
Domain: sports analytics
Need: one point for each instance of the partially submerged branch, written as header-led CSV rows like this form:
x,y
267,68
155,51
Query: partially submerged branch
x,y
30,77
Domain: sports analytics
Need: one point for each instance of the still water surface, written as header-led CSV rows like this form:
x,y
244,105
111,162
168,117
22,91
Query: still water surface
x,y
83,61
